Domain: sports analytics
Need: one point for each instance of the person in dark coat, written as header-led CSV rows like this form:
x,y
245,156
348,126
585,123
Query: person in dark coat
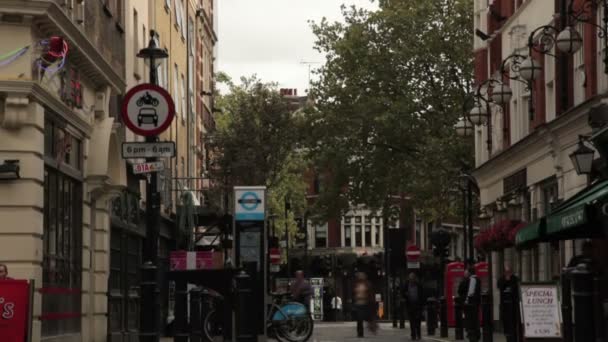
x,y
414,301
508,285
470,289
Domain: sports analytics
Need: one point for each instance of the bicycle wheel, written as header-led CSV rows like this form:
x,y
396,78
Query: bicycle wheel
x,y
212,326
296,328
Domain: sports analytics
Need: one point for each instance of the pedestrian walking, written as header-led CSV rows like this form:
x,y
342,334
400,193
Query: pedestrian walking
x,y
508,285
336,307
4,272
301,291
364,308
470,290
414,301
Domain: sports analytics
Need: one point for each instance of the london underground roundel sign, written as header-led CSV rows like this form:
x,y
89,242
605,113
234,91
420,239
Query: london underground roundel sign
x,y
148,109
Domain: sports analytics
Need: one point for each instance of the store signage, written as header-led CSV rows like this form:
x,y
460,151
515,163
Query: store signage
x,y
135,150
573,219
148,167
148,110
14,310
540,311
202,260
249,203
317,298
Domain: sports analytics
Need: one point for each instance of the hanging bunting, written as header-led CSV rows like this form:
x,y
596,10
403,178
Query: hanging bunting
x,y
12,56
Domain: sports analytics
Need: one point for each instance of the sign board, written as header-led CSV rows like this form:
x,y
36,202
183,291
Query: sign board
x,y
540,308
249,203
148,167
317,298
413,265
148,110
14,310
134,150
275,256
202,260
412,253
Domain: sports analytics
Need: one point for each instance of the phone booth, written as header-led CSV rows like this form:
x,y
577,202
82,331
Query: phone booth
x,y
454,272
481,270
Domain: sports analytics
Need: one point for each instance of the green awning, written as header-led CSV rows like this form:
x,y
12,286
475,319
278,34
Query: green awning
x,y
574,213
530,234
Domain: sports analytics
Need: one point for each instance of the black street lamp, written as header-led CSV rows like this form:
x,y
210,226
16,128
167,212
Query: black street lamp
x,y
582,158
150,303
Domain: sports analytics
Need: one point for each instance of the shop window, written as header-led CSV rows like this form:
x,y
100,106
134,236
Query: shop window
x,y
62,254
358,236
62,231
368,235
123,299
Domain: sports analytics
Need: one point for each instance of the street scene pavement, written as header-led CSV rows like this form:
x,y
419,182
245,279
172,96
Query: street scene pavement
x,y
346,331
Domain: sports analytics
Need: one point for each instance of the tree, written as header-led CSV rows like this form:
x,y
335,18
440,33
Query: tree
x,y
255,143
394,84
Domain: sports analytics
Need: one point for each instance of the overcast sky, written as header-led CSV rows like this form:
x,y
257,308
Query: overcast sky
x,y
271,38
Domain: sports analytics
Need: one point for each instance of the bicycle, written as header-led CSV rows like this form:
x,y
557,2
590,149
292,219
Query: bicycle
x,y
289,321
212,324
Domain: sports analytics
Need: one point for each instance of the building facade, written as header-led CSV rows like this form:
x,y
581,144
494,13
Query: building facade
x,y
58,124
522,158
72,218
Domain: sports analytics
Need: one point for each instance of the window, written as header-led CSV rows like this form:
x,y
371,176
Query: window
x,y
549,70
579,81
183,97
602,77
191,112
62,234
191,37
176,89
358,236
368,236
321,236
377,232
347,236
136,45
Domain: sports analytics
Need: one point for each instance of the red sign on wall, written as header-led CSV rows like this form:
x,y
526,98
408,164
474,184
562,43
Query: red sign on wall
x,y
14,307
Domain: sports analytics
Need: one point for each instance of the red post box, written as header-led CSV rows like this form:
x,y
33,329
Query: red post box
x,y
454,272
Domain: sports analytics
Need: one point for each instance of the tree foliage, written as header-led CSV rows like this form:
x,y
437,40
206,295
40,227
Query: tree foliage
x,y
255,143
394,84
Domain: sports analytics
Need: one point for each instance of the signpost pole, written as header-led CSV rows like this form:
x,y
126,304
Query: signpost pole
x,y
150,293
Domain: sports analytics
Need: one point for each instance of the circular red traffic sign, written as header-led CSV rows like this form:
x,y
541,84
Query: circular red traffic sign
x,y
412,253
148,110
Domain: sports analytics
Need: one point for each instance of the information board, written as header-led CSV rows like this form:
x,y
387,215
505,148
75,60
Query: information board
x,y
540,307
317,298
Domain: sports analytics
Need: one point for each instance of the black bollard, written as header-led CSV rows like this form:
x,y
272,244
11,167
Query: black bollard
x,y
567,305
181,312
244,326
443,316
508,312
598,309
458,313
431,316
196,326
582,292
486,314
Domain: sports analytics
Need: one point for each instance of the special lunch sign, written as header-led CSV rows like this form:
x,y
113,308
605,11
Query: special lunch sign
x,y
541,313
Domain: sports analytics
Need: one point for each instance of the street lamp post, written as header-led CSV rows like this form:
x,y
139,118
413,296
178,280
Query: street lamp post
x,y
150,303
